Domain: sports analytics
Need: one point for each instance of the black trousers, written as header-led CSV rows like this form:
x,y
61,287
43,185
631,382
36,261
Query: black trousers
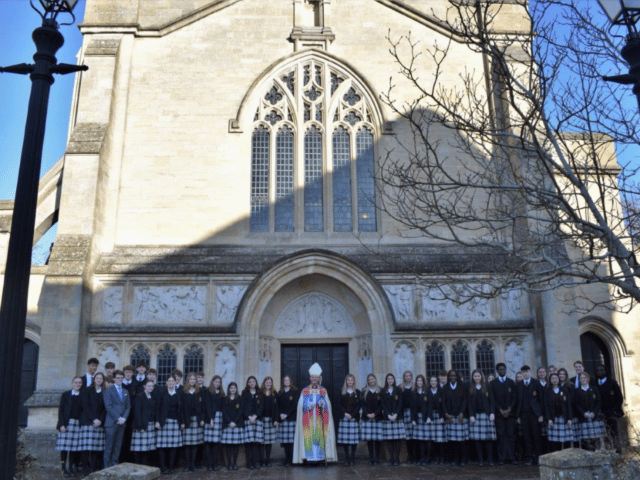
x,y
506,433
531,432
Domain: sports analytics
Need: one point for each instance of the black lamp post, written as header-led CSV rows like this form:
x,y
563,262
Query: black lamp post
x,y
13,312
626,12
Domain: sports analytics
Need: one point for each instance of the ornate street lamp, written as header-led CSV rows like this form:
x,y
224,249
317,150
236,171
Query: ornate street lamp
x,y
626,12
13,312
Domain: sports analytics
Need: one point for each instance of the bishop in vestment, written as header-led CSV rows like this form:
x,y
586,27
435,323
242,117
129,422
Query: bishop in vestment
x,y
315,439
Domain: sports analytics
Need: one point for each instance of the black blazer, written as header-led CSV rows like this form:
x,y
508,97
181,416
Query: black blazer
x,y
454,401
586,401
144,411
611,399
371,403
504,395
270,407
350,403
66,407
192,404
288,404
435,403
164,402
420,405
253,404
232,411
557,404
92,407
212,405
528,398
391,404
486,399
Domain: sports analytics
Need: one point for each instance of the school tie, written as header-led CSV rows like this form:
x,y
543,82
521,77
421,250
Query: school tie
x,y
120,392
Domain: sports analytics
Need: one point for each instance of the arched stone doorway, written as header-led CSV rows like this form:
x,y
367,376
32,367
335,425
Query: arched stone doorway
x,y
595,352
314,298
28,378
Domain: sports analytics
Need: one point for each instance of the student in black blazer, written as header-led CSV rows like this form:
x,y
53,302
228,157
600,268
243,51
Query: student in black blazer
x,y
611,404
505,397
144,419
392,419
287,411
530,415
92,437
68,441
92,367
454,399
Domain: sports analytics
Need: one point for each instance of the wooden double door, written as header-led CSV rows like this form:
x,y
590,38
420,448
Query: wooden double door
x,y
333,358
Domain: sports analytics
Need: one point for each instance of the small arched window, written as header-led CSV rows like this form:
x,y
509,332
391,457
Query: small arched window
x,y
193,361
140,354
167,361
485,358
460,360
312,153
434,356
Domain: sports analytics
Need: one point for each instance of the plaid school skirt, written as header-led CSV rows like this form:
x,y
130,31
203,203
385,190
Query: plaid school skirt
x,y
435,429
590,429
482,428
193,434
371,430
253,432
233,435
457,432
145,440
212,434
286,431
92,438
170,435
69,441
393,430
560,432
269,432
349,431
420,430
408,424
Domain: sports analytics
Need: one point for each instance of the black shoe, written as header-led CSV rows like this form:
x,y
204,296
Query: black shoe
x,y
185,469
480,464
491,464
528,462
229,467
500,462
235,467
165,471
250,466
515,462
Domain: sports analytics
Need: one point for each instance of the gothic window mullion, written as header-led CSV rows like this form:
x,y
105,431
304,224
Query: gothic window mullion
x,y
272,180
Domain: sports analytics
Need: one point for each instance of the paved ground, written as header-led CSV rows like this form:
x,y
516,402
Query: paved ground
x,y
341,472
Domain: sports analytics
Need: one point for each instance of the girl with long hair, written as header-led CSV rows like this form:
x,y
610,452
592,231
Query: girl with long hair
x,y
143,438
482,417
349,414
371,428
193,434
169,424
287,411
392,421
68,441
269,419
92,433
254,433
232,425
213,421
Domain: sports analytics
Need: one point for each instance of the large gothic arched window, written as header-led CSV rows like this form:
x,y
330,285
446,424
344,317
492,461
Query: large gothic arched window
x,y
312,153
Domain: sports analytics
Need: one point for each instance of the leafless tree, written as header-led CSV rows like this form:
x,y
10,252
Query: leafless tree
x,y
517,164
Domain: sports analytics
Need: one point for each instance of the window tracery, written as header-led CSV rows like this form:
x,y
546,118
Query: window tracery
x,y
313,134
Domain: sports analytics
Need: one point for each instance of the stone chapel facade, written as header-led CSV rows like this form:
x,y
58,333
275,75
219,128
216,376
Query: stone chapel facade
x,y
216,208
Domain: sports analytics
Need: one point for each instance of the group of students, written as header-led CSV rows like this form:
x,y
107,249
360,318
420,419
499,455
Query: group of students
x,y
105,416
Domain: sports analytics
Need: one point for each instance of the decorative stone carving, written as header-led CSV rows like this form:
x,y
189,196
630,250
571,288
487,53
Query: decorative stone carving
x,y
112,304
314,313
266,358
514,357
515,305
174,304
227,301
109,353
401,301
438,304
403,358
226,365
365,361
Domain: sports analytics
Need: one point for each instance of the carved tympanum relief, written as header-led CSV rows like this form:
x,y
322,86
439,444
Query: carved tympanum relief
x,y
314,313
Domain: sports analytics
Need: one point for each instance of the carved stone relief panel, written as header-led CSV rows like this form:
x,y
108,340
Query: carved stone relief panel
x,y
169,304
438,304
112,304
266,358
365,361
515,356
228,299
315,313
225,365
108,353
401,298
403,359
515,305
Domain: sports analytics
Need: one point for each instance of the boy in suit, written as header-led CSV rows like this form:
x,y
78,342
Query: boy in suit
x,y
117,403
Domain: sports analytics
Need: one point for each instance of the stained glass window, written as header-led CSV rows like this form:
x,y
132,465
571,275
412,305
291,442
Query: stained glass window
x,y
434,356
485,358
167,361
140,354
313,221
260,180
193,360
460,360
284,180
341,181
365,169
